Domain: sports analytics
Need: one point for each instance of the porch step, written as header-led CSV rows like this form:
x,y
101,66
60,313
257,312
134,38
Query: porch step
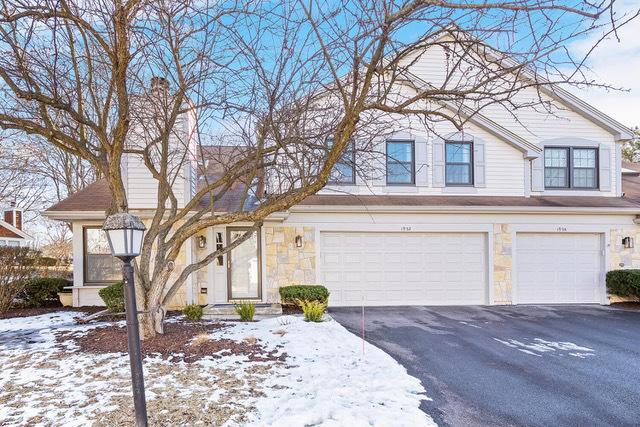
x,y
227,311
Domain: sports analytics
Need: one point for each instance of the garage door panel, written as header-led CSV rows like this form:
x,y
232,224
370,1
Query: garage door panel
x,y
404,268
558,268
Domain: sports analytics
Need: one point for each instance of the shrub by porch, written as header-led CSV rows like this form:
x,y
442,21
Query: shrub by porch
x,y
624,283
290,295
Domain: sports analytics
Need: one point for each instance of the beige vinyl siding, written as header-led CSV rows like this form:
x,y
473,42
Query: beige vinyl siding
x,y
429,65
505,165
142,188
544,128
536,125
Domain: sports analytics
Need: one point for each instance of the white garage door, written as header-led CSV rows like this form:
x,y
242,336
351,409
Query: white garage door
x,y
404,268
558,268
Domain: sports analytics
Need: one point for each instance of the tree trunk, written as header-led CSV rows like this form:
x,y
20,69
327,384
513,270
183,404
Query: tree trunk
x,y
151,322
151,311
118,194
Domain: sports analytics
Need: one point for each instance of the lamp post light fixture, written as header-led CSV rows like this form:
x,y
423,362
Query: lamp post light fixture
x,y
125,233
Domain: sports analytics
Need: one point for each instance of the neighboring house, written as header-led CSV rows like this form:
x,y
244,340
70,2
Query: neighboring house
x,y
527,211
631,180
11,233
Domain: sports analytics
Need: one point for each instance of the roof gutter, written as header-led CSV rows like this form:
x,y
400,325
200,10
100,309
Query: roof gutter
x,y
469,209
93,215
71,215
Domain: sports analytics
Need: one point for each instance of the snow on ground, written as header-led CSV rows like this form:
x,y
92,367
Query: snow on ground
x,y
332,382
539,346
326,380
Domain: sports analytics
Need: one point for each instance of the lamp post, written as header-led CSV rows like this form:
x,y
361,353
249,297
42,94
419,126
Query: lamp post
x,y
125,233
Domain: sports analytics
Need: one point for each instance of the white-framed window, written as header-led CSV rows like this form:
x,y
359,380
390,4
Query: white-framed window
x,y
100,267
571,168
458,163
401,163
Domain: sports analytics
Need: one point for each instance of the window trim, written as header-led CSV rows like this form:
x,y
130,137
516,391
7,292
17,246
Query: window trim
x,y
413,162
471,163
353,166
570,168
84,258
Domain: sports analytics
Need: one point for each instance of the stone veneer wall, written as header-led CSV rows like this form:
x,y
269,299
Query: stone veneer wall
x,y
285,263
502,264
620,257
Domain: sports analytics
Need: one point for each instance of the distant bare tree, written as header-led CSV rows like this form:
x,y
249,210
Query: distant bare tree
x,y
59,243
289,84
631,150
18,183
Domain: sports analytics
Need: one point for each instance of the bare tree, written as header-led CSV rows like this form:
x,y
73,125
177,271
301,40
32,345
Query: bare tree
x,y
289,85
18,182
59,243
631,150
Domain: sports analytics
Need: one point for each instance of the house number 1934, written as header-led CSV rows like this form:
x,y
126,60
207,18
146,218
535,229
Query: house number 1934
x,y
562,228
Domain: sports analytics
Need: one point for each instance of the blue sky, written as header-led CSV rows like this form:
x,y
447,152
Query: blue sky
x,y
617,63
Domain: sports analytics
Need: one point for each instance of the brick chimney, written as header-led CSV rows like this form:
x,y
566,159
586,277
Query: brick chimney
x,y
13,216
8,216
159,85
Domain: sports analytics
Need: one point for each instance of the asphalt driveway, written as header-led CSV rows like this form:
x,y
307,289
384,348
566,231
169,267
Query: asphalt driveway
x,y
514,366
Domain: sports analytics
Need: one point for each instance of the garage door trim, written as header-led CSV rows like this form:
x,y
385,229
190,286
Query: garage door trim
x,y
434,229
561,230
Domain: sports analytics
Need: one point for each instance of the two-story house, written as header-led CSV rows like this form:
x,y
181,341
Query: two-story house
x,y
527,211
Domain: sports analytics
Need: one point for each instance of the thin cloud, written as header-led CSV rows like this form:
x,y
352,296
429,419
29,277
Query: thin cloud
x,y
617,63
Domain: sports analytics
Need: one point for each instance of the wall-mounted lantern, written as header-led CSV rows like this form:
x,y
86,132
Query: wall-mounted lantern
x,y
202,242
627,242
298,241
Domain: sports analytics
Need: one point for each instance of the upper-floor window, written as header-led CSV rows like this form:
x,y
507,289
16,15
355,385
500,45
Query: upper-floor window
x,y
570,167
99,265
344,171
400,163
458,163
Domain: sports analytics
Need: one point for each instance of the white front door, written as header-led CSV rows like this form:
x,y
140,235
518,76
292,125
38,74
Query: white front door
x,y
243,266
558,268
378,268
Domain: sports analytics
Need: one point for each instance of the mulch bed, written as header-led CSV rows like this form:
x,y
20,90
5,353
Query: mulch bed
x,y
630,305
291,309
177,343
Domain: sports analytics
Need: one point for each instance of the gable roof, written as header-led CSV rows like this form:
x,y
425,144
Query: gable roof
x,y
619,131
529,149
95,199
9,231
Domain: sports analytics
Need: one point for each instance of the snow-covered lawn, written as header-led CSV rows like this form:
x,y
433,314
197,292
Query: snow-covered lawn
x,y
325,379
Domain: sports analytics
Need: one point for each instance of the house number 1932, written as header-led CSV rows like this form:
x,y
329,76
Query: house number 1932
x,y
405,228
